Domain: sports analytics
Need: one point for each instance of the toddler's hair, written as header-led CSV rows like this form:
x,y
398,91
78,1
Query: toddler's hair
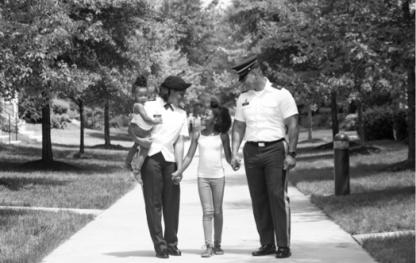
x,y
141,81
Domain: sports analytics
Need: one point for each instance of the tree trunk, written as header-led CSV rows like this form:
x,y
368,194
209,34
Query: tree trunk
x,y
411,113
82,121
334,113
107,141
360,123
47,155
310,122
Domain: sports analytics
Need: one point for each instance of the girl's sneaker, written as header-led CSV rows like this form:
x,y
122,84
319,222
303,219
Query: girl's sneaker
x,y
207,252
217,250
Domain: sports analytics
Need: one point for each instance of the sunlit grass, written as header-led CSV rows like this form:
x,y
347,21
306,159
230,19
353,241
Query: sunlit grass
x,y
380,200
93,183
398,249
29,236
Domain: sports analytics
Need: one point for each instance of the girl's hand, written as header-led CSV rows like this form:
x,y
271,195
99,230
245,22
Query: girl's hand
x,y
176,177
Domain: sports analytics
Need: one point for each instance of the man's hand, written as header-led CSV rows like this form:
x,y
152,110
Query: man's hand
x,y
235,163
289,163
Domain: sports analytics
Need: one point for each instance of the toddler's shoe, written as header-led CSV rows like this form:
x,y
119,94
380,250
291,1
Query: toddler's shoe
x,y
128,166
137,176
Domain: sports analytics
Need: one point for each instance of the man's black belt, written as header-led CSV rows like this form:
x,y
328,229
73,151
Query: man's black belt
x,y
264,144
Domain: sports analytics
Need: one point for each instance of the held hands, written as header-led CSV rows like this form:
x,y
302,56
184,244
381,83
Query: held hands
x,y
176,177
289,163
235,163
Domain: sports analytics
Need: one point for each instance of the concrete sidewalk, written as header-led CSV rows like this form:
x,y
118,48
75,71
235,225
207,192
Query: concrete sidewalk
x,y
120,234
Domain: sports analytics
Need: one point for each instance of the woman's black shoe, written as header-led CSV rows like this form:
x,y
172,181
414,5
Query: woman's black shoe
x,y
265,250
283,252
174,251
162,254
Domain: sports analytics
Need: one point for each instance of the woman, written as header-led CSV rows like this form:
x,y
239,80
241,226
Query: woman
x,y
213,141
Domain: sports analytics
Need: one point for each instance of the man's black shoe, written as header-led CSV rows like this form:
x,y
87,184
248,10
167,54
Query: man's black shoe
x,y
162,254
283,252
174,251
264,250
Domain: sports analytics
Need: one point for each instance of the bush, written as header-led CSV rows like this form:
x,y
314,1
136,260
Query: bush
x,y
384,123
319,120
4,124
349,123
60,106
31,109
119,121
59,121
400,125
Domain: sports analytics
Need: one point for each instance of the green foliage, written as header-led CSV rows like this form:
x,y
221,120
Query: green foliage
x,y
384,123
59,121
60,106
120,121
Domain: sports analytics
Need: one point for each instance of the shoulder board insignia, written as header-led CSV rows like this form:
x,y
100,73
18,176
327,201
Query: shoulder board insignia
x,y
277,86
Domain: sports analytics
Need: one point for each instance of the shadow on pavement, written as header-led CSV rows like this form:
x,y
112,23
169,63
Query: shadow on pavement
x,y
136,253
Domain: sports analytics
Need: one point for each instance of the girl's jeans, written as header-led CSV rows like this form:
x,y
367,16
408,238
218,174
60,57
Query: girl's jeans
x,y
211,193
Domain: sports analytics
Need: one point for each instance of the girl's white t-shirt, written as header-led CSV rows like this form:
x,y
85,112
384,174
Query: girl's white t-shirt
x,y
210,157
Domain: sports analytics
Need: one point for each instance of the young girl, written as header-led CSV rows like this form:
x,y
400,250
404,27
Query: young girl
x,y
213,140
139,128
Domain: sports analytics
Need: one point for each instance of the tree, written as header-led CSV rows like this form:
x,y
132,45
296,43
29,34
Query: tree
x,y
76,85
34,34
352,44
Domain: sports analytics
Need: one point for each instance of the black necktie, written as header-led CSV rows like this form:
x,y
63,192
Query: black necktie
x,y
168,106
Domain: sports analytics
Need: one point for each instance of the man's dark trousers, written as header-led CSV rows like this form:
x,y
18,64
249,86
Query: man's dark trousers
x,y
161,194
267,183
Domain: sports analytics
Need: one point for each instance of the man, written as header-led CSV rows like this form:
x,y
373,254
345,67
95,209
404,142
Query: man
x,y
263,114
161,191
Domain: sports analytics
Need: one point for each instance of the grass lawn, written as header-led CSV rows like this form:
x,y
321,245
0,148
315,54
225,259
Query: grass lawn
x,y
93,183
381,199
29,236
392,249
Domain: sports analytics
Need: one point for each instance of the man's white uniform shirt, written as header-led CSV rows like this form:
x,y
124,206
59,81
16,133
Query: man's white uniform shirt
x,y
264,112
164,135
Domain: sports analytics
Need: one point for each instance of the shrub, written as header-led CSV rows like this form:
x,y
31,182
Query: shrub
x,y
119,121
400,125
60,106
59,121
349,123
384,123
4,124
